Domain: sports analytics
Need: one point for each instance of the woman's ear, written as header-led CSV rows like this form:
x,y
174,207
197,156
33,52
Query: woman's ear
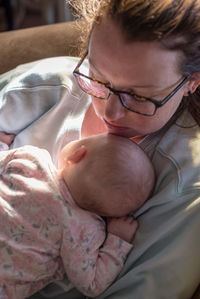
x,y
77,156
193,83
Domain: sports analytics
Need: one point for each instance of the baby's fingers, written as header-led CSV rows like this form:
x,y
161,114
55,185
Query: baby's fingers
x,y
6,138
129,219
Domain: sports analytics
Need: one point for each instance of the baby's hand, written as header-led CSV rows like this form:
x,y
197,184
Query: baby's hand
x,y
6,138
123,227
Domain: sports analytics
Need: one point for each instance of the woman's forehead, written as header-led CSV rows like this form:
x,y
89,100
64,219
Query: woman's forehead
x,y
137,63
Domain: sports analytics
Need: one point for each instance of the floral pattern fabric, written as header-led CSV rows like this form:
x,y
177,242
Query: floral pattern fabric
x,y
44,234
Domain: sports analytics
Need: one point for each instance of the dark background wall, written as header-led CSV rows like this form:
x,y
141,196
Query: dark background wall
x,y
18,14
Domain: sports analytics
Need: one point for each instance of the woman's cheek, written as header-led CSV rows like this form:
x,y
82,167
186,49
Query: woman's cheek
x,y
99,106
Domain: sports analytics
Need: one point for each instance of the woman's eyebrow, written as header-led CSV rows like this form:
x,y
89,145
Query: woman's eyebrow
x,y
94,67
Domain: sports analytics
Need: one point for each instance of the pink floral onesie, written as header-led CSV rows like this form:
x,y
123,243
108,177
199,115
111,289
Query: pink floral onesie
x,y
44,234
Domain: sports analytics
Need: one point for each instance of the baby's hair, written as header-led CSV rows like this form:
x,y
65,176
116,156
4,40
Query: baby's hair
x,y
120,168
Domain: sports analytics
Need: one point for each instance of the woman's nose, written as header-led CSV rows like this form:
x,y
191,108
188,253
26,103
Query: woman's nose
x,y
113,108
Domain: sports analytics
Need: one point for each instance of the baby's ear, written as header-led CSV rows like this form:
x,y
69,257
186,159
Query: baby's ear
x,y
77,156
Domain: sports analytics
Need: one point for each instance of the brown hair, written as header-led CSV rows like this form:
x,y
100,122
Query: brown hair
x,y
175,23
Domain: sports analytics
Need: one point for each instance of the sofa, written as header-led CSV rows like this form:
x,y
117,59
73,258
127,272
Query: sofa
x,y
26,45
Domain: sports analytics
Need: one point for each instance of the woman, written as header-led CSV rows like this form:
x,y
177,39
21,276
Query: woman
x,y
143,81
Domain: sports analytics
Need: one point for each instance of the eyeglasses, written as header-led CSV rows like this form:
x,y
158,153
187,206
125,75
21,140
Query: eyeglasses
x,y
135,103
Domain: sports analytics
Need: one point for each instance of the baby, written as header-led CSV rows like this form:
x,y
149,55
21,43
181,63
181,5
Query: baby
x,y
50,220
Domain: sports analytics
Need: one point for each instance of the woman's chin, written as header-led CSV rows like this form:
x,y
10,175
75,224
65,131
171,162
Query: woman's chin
x,y
122,133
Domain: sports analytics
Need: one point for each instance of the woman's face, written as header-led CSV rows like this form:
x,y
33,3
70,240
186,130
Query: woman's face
x,y
145,68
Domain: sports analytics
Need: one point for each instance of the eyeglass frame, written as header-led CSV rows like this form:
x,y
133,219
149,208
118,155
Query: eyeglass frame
x,y
157,104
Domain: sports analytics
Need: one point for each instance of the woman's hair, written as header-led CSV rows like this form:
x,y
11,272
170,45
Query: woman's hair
x,y
175,23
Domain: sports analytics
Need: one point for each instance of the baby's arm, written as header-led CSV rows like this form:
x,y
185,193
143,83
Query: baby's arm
x,y
93,261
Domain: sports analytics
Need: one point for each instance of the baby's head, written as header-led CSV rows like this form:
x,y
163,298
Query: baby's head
x,y
107,174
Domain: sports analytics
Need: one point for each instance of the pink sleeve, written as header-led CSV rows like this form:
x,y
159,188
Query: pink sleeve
x,y
91,260
30,228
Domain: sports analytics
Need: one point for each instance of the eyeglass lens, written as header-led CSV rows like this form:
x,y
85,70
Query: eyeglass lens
x,y
128,101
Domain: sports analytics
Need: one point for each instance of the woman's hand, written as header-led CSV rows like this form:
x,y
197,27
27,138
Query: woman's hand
x,y
6,138
123,227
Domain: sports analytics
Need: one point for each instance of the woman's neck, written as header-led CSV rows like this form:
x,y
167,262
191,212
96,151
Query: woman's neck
x,y
137,139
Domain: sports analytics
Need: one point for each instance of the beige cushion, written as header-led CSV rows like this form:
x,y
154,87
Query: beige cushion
x,y
25,45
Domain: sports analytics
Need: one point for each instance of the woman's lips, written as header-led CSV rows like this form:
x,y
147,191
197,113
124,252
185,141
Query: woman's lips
x,y
115,128
123,131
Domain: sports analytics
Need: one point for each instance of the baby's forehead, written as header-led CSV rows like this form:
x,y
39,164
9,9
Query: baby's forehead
x,y
102,139
100,142
73,145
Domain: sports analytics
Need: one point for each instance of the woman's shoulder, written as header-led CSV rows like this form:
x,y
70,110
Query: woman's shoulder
x,y
181,140
51,71
177,153
33,90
